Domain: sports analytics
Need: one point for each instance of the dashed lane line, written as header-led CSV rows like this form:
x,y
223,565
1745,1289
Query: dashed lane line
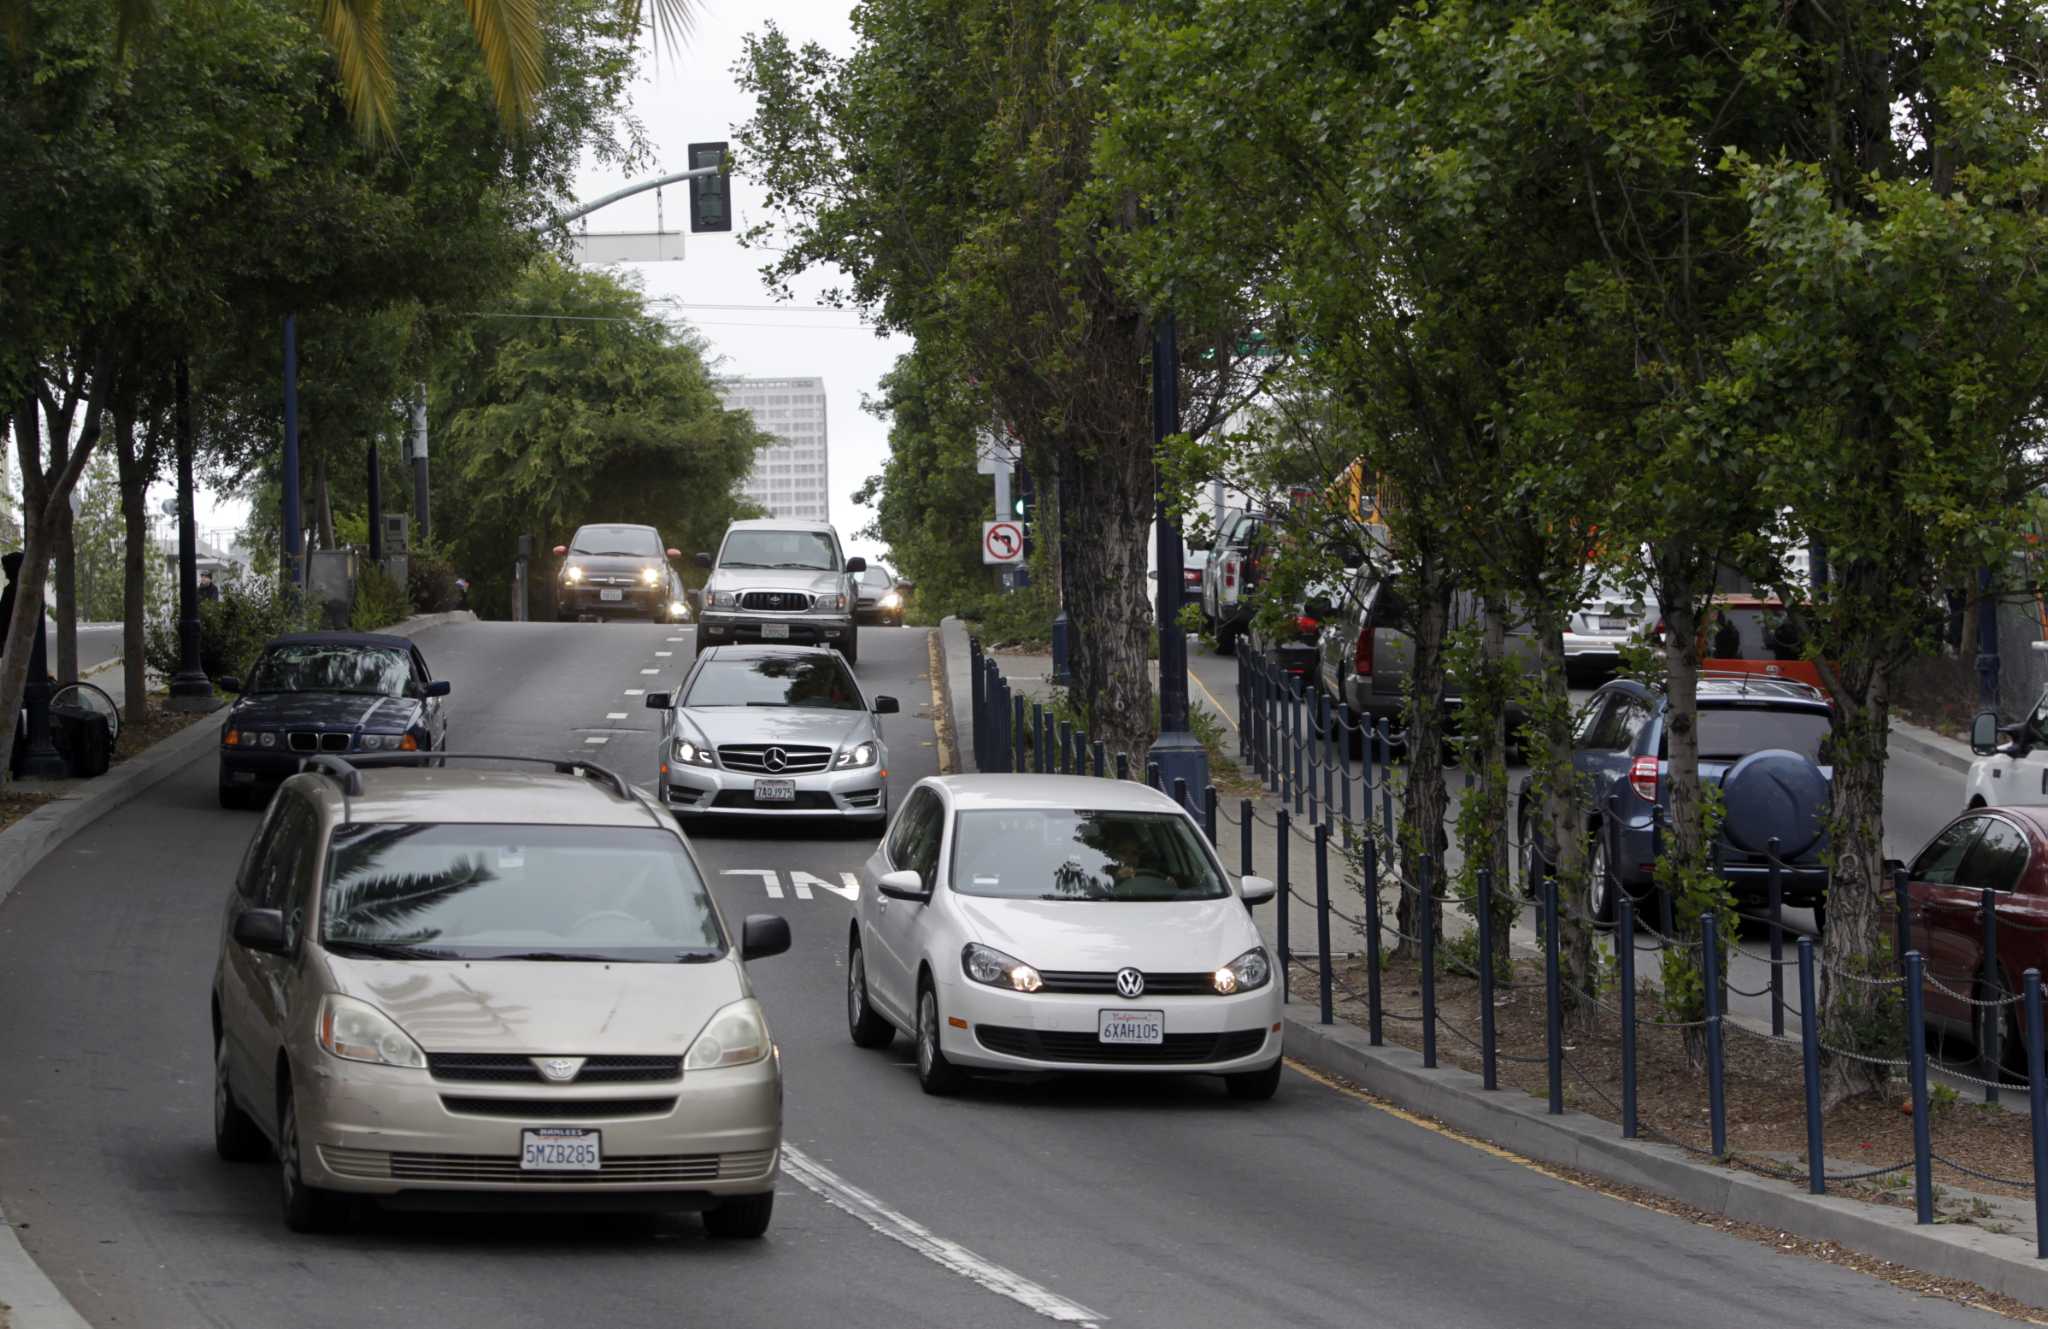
x,y
595,739
614,715
663,655
842,1194
650,671
636,692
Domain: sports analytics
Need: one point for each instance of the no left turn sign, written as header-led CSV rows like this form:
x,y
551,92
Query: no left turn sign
x,y
1002,542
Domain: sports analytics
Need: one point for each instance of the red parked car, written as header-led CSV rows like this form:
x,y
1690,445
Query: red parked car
x,y
2005,849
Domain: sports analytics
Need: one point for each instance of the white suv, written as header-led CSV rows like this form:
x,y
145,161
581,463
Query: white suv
x,y
780,581
2012,773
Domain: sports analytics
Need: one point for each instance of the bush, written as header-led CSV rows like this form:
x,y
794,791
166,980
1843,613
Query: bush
x,y
380,601
232,629
431,580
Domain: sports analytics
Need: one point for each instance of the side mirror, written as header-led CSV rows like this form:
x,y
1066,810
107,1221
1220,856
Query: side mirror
x,y
885,706
673,553
1256,890
561,550
703,559
228,683
261,930
438,688
763,935
660,701
856,564
1892,867
903,884
1984,733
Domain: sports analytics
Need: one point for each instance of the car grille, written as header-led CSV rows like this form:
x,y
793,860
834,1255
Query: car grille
x,y
502,1169
778,602
308,740
1178,1049
511,1068
754,757
1156,985
560,1109
807,800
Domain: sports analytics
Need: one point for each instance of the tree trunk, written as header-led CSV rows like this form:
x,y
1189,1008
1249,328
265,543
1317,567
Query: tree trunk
x,y
1108,506
1563,815
323,510
1423,801
1488,750
64,551
135,472
1681,838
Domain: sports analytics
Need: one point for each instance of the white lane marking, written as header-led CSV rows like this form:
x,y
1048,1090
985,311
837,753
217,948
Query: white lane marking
x,y
675,639
842,1194
803,881
767,876
663,655
614,715
636,692
597,738
650,671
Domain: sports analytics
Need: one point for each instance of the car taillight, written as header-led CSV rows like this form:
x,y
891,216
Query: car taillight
x,y
1361,658
1307,624
1193,576
1230,573
1642,777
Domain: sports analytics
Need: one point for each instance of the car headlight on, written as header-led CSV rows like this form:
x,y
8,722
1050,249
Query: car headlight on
x,y
678,610
1247,971
736,1036
860,754
986,964
722,599
572,574
650,577
892,601
357,1031
690,753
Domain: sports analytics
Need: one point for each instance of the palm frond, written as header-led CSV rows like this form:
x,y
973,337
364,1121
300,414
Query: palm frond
x,y
508,34
355,31
673,19
381,904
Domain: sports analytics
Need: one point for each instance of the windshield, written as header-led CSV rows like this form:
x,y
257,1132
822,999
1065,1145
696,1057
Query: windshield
x,y
483,892
876,578
1728,733
810,551
1058,854
819,680
619,541
366,671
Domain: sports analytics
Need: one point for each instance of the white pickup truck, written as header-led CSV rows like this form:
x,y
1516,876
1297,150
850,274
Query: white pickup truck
x,y
2011,769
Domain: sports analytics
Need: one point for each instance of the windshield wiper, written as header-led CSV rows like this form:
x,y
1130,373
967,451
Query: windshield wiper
x,y
560,955
609,553
801,567
735,563
388,950
777,704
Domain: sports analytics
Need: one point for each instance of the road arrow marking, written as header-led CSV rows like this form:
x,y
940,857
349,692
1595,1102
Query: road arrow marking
x,y
803,881
767,876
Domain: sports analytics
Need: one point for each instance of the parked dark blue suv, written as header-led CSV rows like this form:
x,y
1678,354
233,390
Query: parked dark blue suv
x,y
1763,742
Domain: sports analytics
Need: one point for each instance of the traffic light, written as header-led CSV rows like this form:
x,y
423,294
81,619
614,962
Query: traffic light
x,y
1024,504
710,195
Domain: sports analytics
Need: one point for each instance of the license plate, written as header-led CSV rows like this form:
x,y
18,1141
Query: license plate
x,y
609,596
775,632
560,1149
1130,1026
775,791
1612,623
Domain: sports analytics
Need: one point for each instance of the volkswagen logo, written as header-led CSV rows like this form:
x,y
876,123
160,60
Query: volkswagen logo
x,y
1130,983
774,759
558,1070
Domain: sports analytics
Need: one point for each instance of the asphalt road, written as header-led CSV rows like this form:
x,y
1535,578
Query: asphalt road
x,y
1133,1201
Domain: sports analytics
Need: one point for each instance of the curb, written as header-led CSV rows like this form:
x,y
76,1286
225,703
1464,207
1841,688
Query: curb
x,y
1518,1122
959,684
1927,744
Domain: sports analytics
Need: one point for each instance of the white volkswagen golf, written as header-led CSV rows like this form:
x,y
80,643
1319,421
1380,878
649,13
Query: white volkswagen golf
x,y
1035,922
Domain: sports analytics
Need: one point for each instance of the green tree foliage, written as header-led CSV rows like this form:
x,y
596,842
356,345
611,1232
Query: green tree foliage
x,y
573,405
102,545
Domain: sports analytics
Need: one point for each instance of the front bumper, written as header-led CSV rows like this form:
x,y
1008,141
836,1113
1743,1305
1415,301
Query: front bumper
x,y
251,768
383,1131
633,602
1042,1031
878,615
859,794
1594,646
721,626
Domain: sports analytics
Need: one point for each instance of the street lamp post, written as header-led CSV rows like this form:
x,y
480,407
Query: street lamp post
x,y
190,688
289,479
1178,754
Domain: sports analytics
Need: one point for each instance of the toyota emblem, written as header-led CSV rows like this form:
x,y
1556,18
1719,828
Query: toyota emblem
x,y
775,759
558,1070
1130,983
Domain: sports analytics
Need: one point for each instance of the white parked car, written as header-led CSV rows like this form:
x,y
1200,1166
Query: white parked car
x,y
2011,769
1033,923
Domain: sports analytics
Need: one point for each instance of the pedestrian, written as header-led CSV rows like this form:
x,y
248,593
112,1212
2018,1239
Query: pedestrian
x,y
1727,641
207,590
462,592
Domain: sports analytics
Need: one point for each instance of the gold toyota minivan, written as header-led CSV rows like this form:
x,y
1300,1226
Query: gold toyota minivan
x,y
497,987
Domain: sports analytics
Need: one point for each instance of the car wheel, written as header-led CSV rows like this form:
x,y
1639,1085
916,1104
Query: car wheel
x,y
1530,857
235,1137
697,641
1226,639
1601,888
233,797
867,1025
1254,1086
306,1208
935,1075
851,650
743,1217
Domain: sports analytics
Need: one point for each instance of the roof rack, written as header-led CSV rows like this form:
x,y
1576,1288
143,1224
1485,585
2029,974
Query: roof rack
x,y
1748,678
339,771
560,765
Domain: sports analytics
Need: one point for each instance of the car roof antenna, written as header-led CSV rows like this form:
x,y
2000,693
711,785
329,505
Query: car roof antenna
x,y
334,768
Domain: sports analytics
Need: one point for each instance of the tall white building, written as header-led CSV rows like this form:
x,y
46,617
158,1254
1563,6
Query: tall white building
x,y
790,477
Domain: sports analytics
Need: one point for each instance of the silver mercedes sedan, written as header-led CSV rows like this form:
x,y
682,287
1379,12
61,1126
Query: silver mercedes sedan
x,y
773,731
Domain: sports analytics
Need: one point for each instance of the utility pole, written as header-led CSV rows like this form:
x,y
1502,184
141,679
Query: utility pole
x,y
374,477
1178,753
291,536
419,465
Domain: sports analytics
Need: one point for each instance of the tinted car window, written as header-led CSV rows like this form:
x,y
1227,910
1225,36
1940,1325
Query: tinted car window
x,y
1612,731
1938,862
1995,859
1737,731
284,859
370,671
1057,854
807,551
505,892
903,835
819,681
621,541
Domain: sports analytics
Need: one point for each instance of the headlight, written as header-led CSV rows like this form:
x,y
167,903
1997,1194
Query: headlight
x,y
266,739
985,964
688,753
357,1031
372,742
828,603
860,754
649,577
572,574
736,1036
1246,972
891,600
723,599
678,610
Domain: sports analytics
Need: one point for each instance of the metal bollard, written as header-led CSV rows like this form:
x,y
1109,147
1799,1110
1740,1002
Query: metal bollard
x,y
1903,902
1809,1056
1425,926
977,678
1776,901
1209,813
1625,958
1244,836
1039,723
1101,759
1323,920
1710,963
1488,1079
1180,793
1386,785
1066,747
1916,1071
1371,883
1123,765
1288,779
1017,733
1990,1053
1299,745
1329,756
2037,1102
1152,774
1345,728
1280,920
1553,1000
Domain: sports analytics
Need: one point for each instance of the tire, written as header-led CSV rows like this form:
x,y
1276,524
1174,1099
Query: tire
x,y
235,1136
1226,639
697,640
233,797
742,1218
866,1025
935,1075
1601,888
306,1208
851,650
1254,1086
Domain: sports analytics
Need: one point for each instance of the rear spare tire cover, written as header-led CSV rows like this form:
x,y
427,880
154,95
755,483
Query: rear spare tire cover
x,y
1775,793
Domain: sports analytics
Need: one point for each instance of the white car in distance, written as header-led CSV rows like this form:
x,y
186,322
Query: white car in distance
x,y
2011,766
1060,923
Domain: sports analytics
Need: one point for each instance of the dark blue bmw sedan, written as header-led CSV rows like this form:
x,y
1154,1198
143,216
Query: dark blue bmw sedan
x,y
338,692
